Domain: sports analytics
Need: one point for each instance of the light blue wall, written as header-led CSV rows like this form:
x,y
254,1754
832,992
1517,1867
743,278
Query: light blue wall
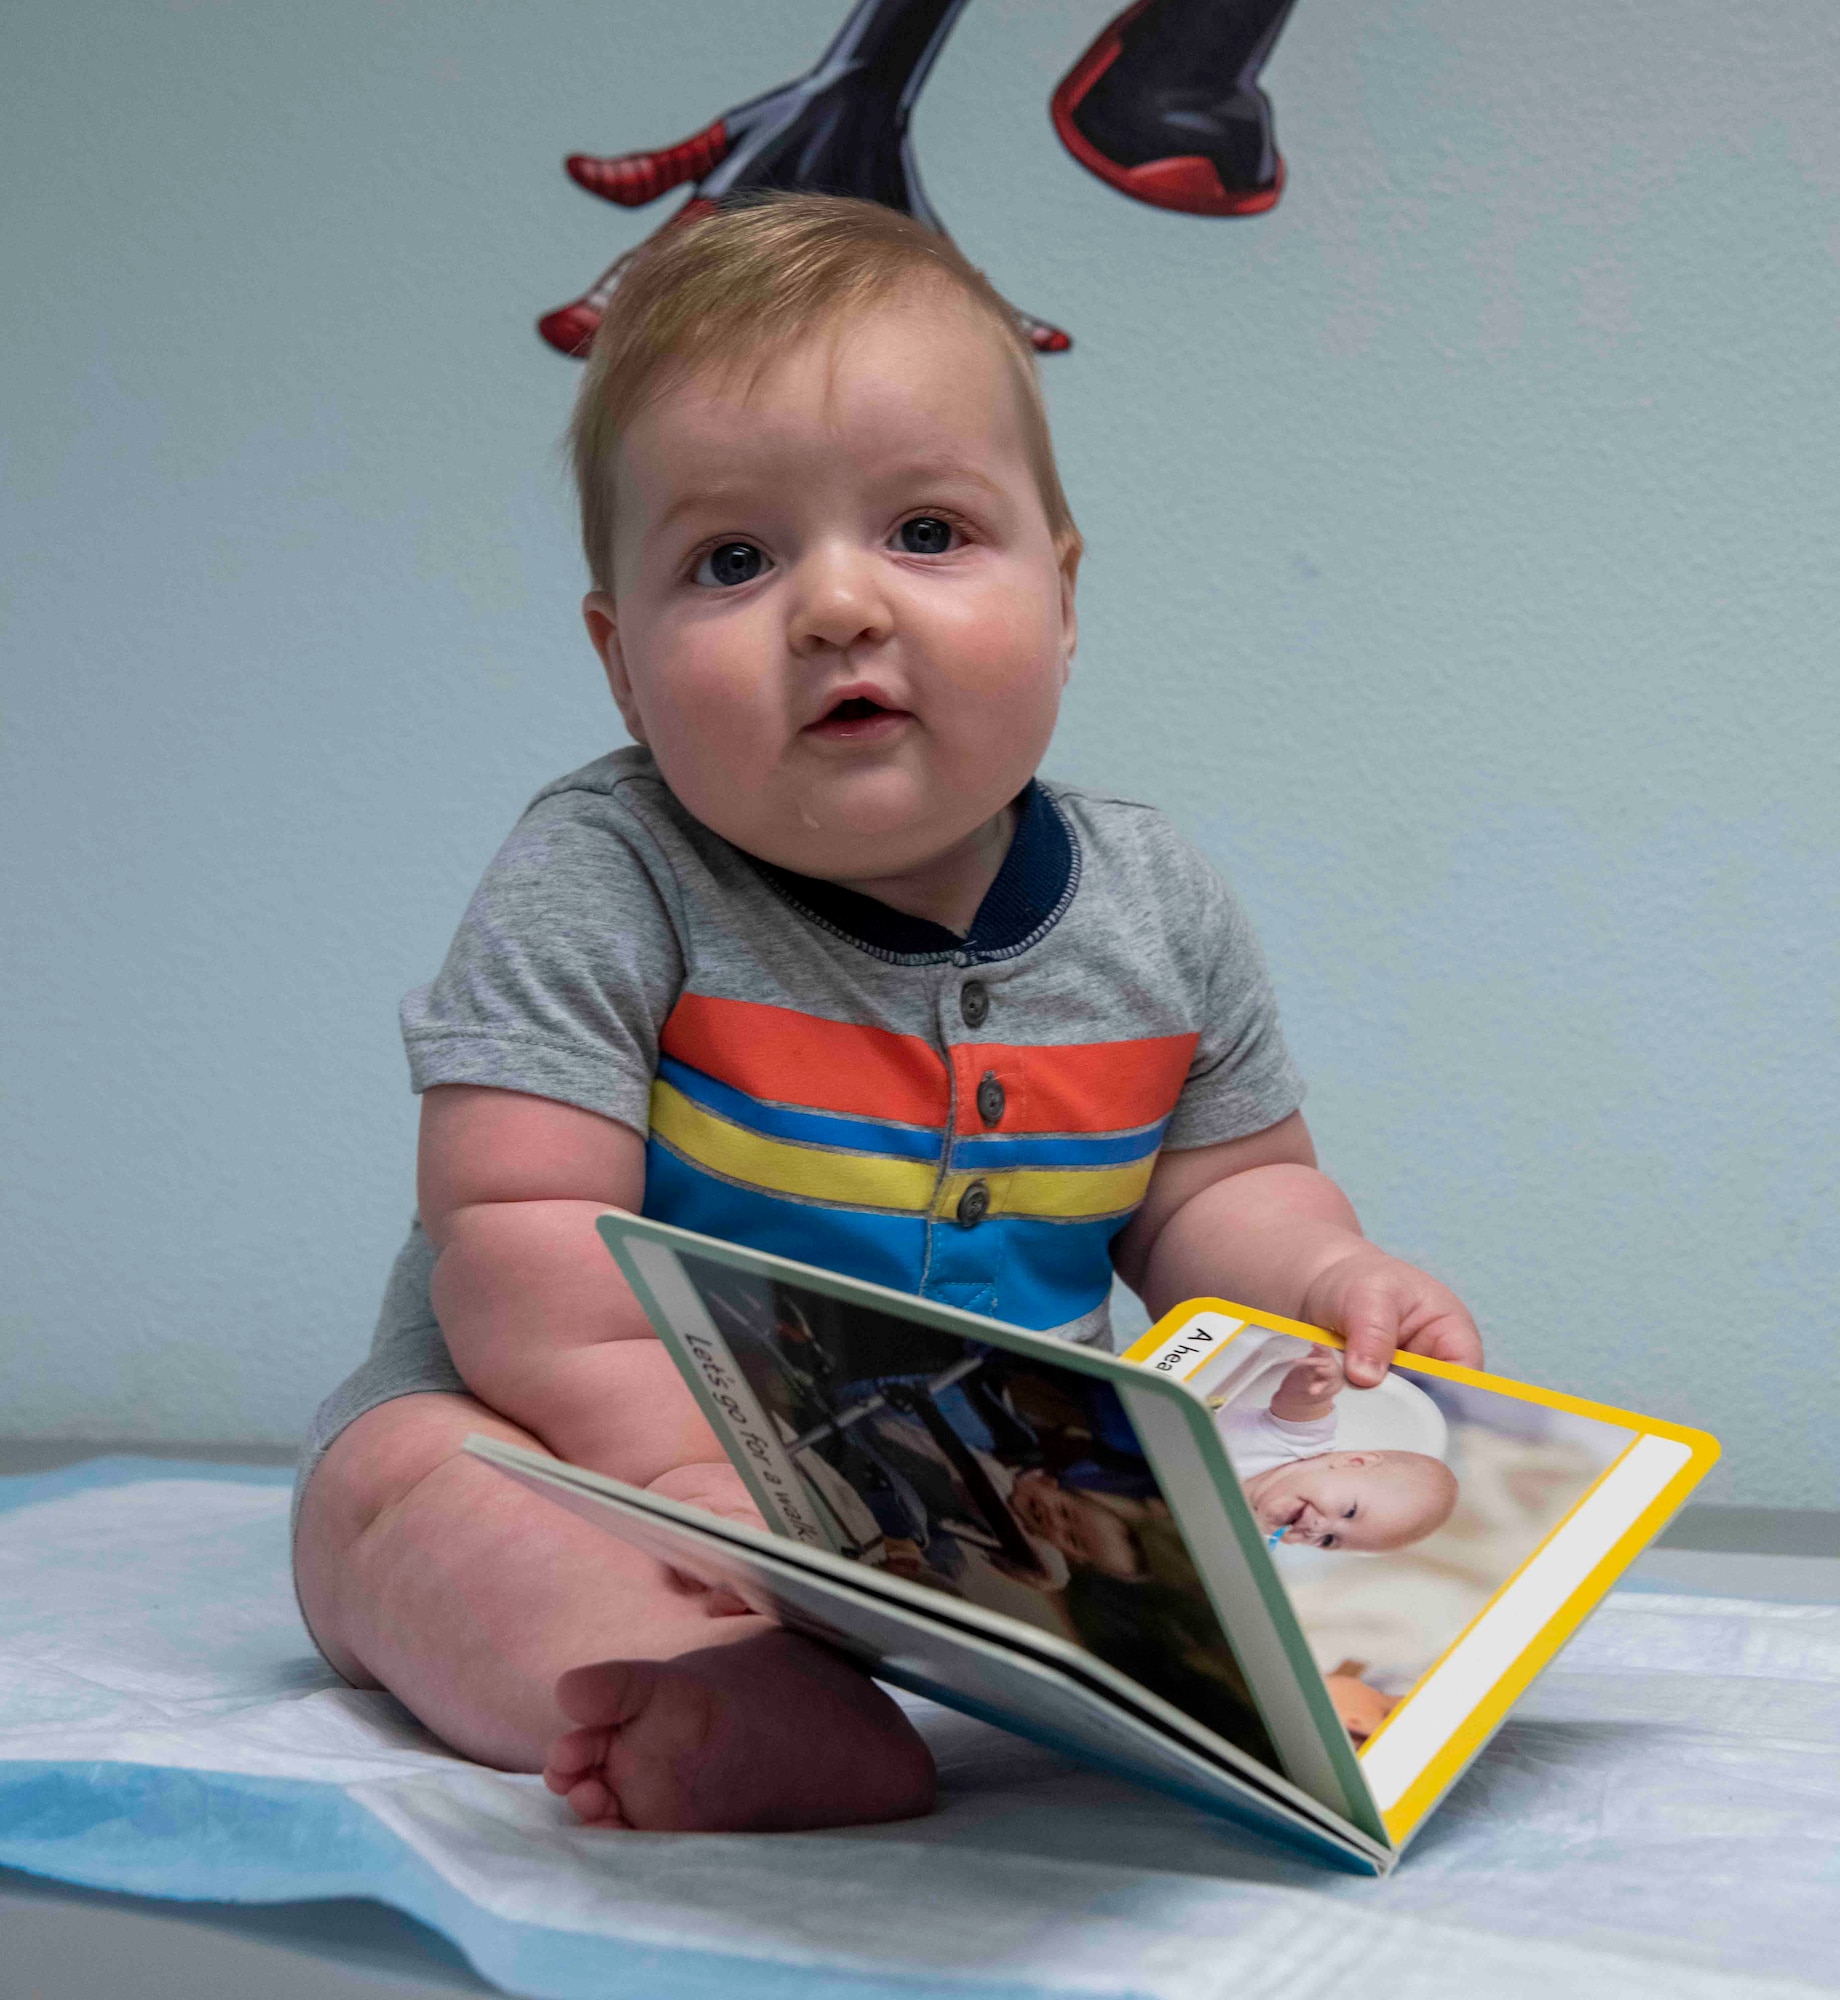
x,y
1463,537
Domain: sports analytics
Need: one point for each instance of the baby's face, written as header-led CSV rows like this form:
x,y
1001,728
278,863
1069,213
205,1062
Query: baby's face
x,y
1085,1531
1345,1500
839,617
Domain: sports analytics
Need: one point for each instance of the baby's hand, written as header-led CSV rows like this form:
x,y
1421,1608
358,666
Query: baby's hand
x,y
1377,1304
1362,1708
1309,1390
902,1556
712,1485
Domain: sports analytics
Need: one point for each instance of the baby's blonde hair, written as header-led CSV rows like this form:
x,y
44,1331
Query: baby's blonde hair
x,y
742,286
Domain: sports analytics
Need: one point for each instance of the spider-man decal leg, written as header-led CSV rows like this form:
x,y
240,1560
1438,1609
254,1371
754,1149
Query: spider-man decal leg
x,y
840,129
1165,106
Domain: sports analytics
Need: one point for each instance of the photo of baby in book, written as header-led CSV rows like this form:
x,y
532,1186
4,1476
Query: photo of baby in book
x,y
1010,1482
1305,1491
1394,1514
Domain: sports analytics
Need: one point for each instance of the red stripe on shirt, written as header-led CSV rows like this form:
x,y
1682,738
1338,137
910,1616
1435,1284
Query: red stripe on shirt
x,y
1075,1086
793,1058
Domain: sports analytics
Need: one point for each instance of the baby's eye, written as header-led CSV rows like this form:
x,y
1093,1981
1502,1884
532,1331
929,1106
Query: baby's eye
x,y
730,563
925,535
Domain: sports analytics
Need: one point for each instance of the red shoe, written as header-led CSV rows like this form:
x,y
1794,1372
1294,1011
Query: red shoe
x,y
633,179
571,329
1045,339
1189,183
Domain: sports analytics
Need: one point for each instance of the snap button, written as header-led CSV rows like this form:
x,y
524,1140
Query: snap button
x,y
990,1099
974,1002
974,1204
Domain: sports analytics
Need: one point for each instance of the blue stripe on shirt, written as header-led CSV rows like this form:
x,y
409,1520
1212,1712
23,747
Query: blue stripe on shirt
x,y
979,1153
1032,1273
810,1128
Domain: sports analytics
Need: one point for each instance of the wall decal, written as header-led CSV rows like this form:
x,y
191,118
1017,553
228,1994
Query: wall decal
x,y
1165,107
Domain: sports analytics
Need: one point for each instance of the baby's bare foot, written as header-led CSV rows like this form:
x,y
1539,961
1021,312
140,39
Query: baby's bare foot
x,y
772,1733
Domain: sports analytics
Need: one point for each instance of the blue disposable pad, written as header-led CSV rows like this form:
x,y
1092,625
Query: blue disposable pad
x,y
1661,1818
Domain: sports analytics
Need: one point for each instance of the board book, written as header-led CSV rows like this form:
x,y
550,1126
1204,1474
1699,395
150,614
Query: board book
x,y
1056,1539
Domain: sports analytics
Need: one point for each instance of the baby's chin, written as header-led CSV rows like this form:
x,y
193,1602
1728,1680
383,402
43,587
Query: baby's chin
x,y
864,827
810,833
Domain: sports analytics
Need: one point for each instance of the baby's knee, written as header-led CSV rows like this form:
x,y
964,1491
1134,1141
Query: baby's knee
x,y
374,1463
377,1472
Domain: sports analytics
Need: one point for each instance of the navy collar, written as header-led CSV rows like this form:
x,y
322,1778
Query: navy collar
x,y
1032,890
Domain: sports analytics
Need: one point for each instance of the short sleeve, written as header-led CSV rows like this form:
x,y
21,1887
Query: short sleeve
x,y
1306,1440
1256,1441
1241,1079
561,975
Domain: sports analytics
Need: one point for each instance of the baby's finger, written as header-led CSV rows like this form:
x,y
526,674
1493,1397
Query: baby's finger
x,y
1370,1330
1453,1338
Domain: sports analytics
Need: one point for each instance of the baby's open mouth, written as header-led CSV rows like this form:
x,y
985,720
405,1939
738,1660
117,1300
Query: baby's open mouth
x,y
856,717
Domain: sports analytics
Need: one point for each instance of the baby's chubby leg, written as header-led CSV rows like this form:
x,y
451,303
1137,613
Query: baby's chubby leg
x,y
505,1624
430,1573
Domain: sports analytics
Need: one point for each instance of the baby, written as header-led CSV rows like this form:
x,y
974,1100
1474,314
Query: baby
x,y
817,964
1065,1528
1045,1522
1302,1491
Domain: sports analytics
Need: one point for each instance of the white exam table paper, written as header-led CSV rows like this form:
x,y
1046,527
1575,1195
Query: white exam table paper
x,y
1661,1817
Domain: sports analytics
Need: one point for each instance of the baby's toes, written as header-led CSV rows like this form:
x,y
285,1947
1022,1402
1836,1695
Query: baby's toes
x,y
577,1771
574,1756
594,1804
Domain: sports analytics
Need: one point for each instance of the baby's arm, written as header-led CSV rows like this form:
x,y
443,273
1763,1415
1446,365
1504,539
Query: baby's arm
x,y
1254,1220
1308,1391
540,1323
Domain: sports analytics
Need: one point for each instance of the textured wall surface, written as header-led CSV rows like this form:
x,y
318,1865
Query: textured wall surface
x,y
1464,572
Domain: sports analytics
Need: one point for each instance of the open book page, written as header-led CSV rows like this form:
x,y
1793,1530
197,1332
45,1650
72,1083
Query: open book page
x,y
985,1466
1011,1482
1439,1535
1018,1676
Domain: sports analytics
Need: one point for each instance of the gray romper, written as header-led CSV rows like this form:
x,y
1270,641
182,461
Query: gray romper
x,y
973,1119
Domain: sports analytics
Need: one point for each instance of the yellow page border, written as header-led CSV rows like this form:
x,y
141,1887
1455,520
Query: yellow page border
x,y
1488,1713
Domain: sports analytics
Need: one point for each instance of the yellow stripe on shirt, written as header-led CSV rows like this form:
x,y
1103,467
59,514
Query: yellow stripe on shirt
x,y
811,1173
1056,1194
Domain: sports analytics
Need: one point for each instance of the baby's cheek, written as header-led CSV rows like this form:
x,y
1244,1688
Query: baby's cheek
x,y
998,641
719,727
990,659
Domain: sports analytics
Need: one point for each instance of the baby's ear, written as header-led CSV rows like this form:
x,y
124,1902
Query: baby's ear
x,y
601,617
1068,554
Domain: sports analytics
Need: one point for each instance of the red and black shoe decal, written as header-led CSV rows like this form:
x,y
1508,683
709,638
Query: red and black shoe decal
x,y
1189,183
633,179
571,329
